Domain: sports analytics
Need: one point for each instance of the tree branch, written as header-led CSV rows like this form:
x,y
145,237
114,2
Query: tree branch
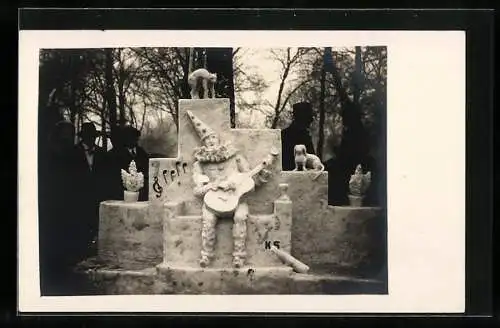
x,y
297,87
235,51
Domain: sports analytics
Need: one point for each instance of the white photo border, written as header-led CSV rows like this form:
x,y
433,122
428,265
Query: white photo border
x,y
425,172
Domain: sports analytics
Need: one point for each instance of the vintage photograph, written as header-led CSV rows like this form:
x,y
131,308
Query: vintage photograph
x,y
167,170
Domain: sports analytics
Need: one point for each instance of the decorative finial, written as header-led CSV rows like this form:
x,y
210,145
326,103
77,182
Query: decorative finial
x,y
359,182
132,180
283,191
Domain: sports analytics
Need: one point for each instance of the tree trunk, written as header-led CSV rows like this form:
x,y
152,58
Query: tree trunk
x,y
274,122
121,106
71,88
79,122
278,100
71,104
204,58
321,132
104,134
352,151
220,61
277,106
187,69
110,93
197,59
120,79
358,78
190,63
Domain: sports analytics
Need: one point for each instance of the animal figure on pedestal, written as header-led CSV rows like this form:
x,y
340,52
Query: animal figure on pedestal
x,y
307,162
202,80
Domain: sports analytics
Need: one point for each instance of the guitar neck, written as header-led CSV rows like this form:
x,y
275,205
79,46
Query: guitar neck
x,y
256,170
261,166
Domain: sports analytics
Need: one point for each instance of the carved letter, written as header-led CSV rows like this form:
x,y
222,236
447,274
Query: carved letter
x,y
267,244
177,165
157,187
165,176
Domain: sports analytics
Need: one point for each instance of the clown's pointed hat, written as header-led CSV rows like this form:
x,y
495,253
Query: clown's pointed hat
x,y
201,128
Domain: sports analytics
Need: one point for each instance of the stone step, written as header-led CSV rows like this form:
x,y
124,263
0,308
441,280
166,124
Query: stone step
x,y
246,280
335,285
165,279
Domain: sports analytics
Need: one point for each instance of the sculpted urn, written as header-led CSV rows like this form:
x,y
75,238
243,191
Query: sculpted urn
x,y
358,184
133,181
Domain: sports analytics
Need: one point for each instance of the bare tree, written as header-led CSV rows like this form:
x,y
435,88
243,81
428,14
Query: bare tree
x,y
125,71
165,69
288,61
249,85
321,130
110,88
220,61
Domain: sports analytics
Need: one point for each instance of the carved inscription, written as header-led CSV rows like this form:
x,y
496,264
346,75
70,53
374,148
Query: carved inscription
x,y
158,189
267,244
168,176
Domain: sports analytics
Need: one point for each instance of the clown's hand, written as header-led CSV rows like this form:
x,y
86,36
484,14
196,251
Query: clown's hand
x,y
263,177
201,180
202,184
265,174
231,185
224,185
227,185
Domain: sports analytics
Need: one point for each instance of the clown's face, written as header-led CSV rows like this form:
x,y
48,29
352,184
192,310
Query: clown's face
x,y
211,141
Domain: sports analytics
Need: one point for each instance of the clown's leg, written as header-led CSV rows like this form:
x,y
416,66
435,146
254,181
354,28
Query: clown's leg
x,y
208,236
240,235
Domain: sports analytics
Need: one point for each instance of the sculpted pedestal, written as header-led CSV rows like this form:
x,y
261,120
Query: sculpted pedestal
x,y
154,247
130,235
263,272
269,221
344,239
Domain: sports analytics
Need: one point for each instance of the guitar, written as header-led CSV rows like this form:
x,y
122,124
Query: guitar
x,y
225,202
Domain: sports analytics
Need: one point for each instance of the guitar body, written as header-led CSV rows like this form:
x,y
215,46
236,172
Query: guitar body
x,y
225,202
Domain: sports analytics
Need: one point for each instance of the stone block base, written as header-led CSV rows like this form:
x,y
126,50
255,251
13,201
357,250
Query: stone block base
x,y
350,240
130,235
247,280
318,284
125,282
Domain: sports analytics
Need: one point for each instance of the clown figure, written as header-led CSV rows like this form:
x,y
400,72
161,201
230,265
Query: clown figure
x,y
214,162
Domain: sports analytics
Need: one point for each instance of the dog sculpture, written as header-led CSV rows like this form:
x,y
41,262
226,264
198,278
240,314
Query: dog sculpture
x,y
307,162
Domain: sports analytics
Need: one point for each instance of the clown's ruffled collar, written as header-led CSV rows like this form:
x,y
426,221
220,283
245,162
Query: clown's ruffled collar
x,y
215,155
